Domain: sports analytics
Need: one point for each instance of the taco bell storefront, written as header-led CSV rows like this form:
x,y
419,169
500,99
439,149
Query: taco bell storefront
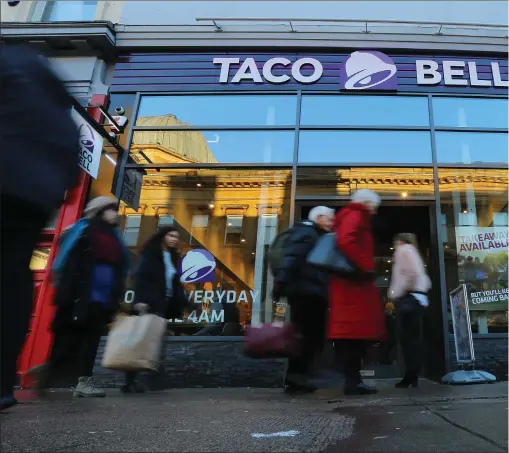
x,y
232,147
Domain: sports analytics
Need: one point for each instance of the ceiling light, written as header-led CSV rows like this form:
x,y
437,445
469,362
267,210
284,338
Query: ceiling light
x,y
242,240
198,185
465,212
404,194
211,205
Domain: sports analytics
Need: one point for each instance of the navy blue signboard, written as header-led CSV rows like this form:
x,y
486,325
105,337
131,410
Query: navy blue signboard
x,y
361,70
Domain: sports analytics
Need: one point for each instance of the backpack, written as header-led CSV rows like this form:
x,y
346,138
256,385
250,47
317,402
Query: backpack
x,y
276,251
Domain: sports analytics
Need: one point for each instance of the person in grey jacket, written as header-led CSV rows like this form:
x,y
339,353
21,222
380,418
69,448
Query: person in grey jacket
x,y
306,288
39,162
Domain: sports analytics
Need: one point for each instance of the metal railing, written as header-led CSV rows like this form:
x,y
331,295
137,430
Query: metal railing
x,y
292,23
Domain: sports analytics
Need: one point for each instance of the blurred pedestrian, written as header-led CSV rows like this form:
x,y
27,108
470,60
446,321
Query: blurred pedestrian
x,y
409,287
306,289
89,275
158,287
356,313
39,162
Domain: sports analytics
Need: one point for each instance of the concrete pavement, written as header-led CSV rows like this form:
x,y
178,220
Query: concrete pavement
x,y
432,418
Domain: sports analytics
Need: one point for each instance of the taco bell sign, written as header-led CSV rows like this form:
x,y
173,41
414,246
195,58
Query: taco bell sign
x,y
90,145
362,70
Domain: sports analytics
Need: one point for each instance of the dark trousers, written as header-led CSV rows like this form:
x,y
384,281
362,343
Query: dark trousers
x,y
308,315
350,354
77,344
21,223
409,326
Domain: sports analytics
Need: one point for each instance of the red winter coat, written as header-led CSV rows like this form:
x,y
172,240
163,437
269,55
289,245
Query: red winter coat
x,y
356,310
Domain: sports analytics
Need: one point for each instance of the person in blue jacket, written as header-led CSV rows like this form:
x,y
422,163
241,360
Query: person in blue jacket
x,y
89,273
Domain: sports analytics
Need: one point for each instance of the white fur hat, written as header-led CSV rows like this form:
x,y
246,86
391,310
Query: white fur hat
x,y
95,206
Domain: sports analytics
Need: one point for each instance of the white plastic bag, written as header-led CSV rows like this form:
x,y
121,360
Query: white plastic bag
x,y
134,343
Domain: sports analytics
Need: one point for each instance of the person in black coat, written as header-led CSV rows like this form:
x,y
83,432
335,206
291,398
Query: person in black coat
x,y
306,289
158,287
89,273
39,162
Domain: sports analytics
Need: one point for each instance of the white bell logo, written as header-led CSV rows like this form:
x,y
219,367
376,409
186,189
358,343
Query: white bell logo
x,y
361,67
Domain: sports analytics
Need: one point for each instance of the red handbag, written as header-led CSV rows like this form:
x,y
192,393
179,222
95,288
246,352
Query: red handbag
x,y
272,341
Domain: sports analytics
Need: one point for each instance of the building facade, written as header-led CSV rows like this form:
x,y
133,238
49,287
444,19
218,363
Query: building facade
x,y
237,128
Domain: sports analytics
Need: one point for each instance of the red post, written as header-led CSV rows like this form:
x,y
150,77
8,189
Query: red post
x,y
37,346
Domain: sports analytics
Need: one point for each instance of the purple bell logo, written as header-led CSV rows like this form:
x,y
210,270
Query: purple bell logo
x,y
86,139
197,266
365,70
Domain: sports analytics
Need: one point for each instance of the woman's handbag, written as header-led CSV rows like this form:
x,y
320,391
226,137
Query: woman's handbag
x,y
327,256
277,340
134,343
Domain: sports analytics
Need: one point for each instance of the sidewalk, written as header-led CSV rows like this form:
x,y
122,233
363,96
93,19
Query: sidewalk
x,y
432,418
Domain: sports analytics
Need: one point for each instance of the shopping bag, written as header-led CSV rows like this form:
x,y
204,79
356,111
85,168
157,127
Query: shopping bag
x,y
134,343
276,340
327,256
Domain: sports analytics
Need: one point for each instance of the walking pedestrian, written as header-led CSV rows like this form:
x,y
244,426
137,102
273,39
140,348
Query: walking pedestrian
x,y
39,162
158,287
89,273
409,287
306,289
356,313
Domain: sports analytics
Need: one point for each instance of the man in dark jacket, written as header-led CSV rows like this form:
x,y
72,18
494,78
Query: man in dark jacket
x,y
306,288
39,162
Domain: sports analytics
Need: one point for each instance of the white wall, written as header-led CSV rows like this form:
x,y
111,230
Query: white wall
x,y
185,12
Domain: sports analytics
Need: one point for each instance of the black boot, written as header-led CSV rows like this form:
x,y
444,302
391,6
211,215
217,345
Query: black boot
x,y
408,381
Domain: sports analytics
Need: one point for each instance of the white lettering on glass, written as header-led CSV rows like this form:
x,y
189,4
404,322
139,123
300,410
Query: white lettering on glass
x,y
453,69
427,72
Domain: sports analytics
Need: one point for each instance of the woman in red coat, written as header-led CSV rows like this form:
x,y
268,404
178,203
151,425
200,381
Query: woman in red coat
x,y
356,315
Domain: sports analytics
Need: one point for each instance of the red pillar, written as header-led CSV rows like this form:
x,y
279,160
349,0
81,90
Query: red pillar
x,y
37,346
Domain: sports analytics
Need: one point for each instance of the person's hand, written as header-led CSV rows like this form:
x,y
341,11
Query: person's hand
x,y
140,307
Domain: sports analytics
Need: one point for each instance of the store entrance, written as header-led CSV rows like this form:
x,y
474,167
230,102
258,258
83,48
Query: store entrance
x,y
384,360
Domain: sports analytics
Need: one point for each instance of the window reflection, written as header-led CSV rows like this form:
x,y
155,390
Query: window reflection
x,y
212,146
474,217
39,259
232,214
348,110
404,183
470,112
471,147
234,110
364,147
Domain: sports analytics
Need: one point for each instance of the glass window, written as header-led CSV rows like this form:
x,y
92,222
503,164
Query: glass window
x,y
218,110
103,184
66,11
470,112
198,231
233,232
471,148
474,213
364,147
202,203
165,220
212,146
132,229
347,110
404,183
39,259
